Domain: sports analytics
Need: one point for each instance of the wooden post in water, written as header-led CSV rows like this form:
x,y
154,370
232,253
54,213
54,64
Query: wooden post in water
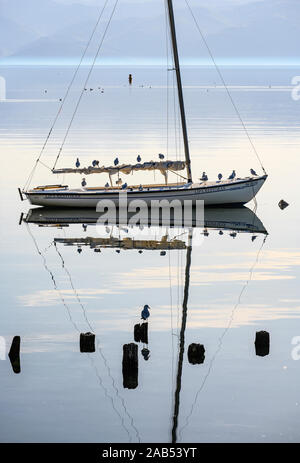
x,y
196,353
14,354
130,366
262,343
87,342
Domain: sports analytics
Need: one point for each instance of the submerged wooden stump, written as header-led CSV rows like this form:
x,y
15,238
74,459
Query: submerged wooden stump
x,y
141,333
14,354
87,342
262,343
196,353
130,366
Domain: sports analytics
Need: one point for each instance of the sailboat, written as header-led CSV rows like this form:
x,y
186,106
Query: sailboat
x,y
231,191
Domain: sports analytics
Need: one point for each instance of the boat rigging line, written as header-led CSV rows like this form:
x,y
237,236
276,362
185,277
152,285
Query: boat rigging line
x,y
65,97
99,349
225,86
78,330
221,338
86,81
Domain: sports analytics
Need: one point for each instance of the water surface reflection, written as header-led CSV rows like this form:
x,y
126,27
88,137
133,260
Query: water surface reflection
x,y
233,221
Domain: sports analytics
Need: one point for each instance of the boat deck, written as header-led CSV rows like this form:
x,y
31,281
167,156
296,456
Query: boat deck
x,y
144,187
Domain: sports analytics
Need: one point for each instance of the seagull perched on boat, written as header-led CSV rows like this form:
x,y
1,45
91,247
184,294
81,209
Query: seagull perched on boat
x,y
252,171
232,175
124,186
77,163
116,161
161,156
220,176
145,312
139,158
83,183
95,163
204,177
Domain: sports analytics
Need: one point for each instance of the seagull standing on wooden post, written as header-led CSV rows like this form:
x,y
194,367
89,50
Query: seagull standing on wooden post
x,y
145,312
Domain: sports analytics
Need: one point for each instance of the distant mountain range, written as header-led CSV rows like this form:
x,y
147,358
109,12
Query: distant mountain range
x,y
45,29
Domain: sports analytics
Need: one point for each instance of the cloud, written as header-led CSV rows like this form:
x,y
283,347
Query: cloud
x,y
52,297
221,315
273,265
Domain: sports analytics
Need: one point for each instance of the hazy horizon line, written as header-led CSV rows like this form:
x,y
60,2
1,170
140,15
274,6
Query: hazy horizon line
x,y
56,61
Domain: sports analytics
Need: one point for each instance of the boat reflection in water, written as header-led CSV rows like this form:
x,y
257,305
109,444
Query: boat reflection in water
x,y
233,220
239,219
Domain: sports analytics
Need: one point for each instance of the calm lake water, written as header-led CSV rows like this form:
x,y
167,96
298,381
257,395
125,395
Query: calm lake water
x,y
56,286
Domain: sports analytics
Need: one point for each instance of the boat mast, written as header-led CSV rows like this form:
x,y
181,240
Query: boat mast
x,y
179,87
182,337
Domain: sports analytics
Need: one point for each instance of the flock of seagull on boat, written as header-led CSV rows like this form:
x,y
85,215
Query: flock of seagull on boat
x,y
95,162
161,156
232,176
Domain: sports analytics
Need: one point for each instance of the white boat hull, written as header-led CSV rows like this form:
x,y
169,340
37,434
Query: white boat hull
x,y
235,192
